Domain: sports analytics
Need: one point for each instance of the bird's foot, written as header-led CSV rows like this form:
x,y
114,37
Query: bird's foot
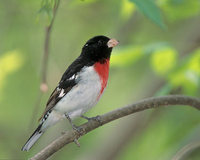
x,y
77,142
97,119
77,129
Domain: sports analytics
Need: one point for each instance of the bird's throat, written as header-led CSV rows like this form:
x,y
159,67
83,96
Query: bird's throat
x,y
102,68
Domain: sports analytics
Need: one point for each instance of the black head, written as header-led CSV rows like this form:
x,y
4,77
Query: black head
x,y
98,48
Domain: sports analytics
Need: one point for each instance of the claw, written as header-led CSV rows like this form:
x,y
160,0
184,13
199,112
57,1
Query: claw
x,y
76,142
77,129
97,119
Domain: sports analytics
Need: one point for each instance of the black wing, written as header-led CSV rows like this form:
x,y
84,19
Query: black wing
x,y
67,82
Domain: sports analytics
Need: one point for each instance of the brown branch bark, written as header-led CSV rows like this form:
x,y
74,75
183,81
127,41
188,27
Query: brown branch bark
x,y
148,103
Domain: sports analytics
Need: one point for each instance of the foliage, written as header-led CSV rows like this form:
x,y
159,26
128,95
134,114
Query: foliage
x,y
9,62
150,61
180,9
149,8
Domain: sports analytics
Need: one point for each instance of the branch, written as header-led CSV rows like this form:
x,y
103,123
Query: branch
x,y
43,83
43,86
148,103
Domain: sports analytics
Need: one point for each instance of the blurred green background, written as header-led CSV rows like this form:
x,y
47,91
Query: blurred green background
x,y
159,54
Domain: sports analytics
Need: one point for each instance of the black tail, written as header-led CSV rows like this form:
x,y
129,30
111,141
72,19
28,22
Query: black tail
x,y
34,137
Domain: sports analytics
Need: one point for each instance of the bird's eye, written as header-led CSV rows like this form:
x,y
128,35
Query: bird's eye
x,y
86,45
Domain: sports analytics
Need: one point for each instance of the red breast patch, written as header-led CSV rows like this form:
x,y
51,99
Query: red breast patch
x,y
102,68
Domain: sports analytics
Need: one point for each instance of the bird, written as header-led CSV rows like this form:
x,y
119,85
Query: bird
x,y
80,87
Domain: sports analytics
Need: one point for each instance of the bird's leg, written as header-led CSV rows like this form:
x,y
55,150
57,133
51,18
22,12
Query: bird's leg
x,y
76,128
97,119
87,118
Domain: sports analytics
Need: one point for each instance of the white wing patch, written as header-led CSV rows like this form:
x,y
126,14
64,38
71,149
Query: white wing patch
x,y
62,93
72,77
58,89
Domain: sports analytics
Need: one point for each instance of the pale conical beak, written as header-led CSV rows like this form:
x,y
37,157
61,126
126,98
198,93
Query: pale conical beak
x,y
112,43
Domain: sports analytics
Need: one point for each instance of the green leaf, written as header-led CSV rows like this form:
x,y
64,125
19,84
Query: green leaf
x,y
180,9
127,9
82,2
163,60
187,75
47,9
10,62
194,63
149,9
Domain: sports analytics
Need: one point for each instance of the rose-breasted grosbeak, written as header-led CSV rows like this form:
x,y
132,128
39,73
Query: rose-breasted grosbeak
x,y
80,87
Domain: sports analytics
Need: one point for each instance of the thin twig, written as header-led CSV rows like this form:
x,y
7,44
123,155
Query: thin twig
x,y
149,103
46,47
43,83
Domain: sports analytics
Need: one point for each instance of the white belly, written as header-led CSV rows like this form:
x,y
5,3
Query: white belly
x,y
83,96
